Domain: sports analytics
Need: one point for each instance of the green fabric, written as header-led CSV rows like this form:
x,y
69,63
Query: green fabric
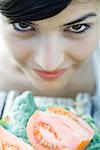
x,y
95,143
22,110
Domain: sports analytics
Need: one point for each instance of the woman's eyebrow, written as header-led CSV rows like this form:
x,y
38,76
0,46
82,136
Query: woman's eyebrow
x,y
92,14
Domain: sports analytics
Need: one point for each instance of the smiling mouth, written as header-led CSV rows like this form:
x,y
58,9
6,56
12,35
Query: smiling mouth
x,y
50,75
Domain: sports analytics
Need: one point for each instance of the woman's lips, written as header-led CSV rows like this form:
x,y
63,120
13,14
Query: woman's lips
x,y
50,75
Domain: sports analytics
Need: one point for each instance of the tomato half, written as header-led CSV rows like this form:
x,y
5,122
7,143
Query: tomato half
x,y
50,131
10,142
59,110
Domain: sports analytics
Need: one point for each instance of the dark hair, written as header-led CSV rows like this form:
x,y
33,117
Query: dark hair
x,y
32,10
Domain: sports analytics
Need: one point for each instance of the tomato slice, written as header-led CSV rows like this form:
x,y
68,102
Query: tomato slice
x,y
10,142
67,114
59,110
51,131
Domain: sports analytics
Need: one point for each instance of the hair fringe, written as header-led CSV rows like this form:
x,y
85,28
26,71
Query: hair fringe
x,y
32,10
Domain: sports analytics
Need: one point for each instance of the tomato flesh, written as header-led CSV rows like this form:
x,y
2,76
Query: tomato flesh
x,y
10,142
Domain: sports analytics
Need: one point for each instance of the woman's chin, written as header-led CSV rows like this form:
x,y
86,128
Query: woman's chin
x,y
47,89
50,87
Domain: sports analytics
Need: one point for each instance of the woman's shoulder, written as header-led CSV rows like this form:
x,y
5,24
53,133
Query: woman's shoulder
x,y
96,65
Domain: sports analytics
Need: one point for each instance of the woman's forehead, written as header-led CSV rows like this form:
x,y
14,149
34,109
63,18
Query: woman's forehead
x,y
74,11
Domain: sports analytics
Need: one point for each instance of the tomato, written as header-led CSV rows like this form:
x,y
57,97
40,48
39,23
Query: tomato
x,y
67,114
59,110
58,131
10,142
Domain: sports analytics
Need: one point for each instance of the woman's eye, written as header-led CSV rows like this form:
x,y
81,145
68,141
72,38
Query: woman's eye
x,y
79,28
22,26
77,31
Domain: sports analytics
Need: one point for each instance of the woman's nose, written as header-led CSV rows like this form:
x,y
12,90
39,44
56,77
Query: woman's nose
x,y
49,58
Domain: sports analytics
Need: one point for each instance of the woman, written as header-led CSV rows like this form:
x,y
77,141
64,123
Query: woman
x,y
49,46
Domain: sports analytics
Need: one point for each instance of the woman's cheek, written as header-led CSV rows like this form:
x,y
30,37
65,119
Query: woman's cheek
x,y
80,50
19,49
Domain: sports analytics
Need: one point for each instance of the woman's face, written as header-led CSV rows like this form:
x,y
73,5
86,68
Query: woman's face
x,y
51,51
